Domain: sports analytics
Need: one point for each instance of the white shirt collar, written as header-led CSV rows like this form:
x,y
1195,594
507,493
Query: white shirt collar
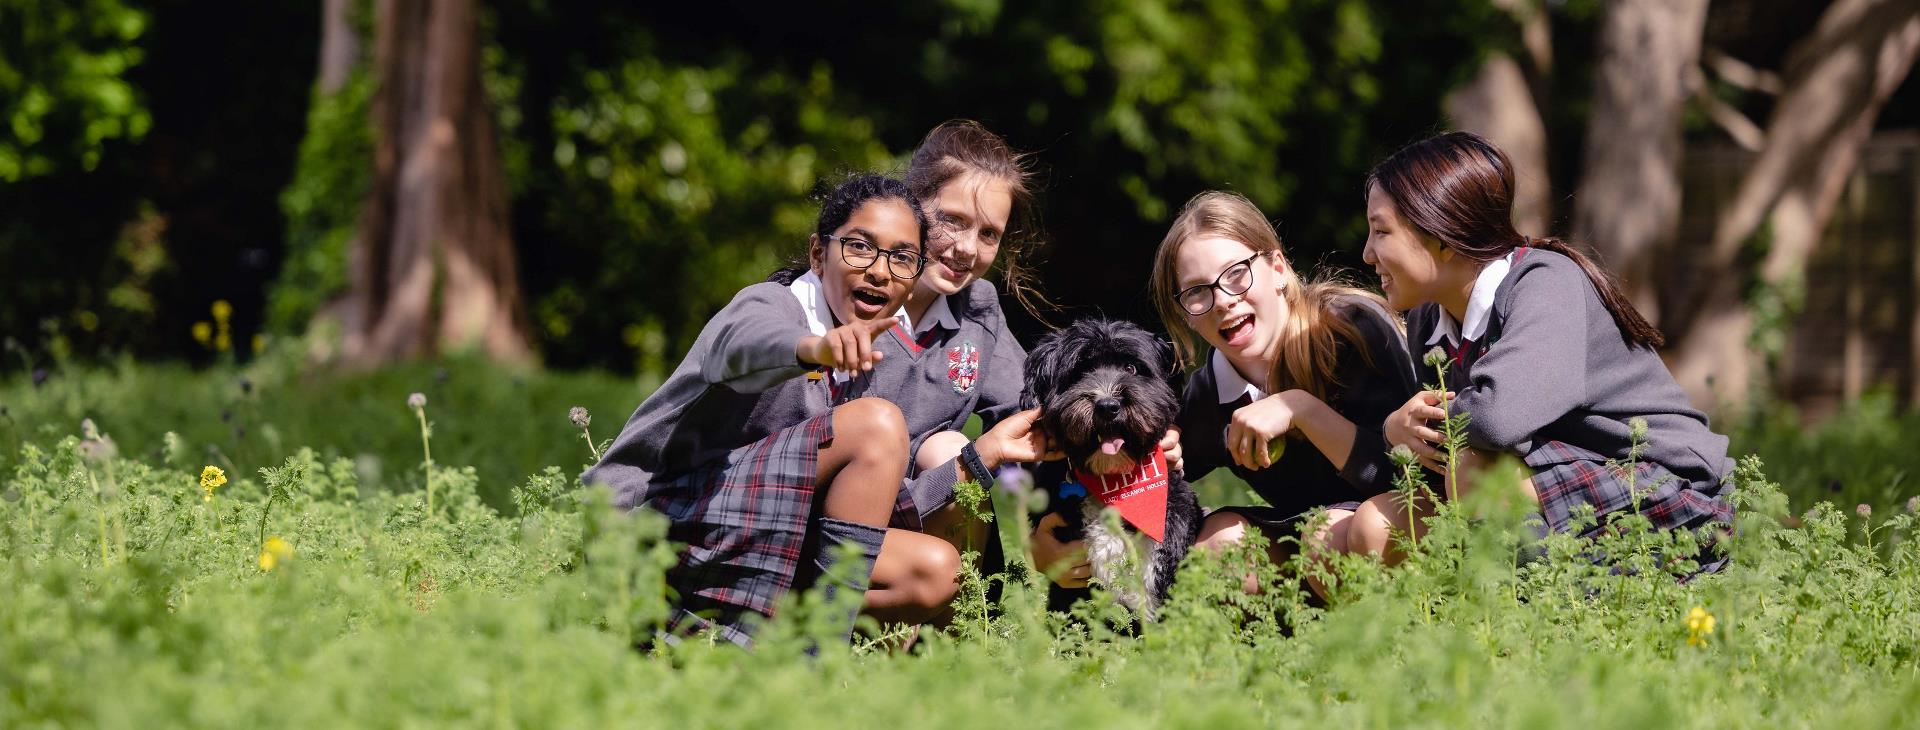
x,y
1479,305
813,304
938,313
1228,382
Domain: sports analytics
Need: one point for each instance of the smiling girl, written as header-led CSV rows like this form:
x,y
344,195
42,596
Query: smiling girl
x,y
1290,379
1549,360
980,210
765,449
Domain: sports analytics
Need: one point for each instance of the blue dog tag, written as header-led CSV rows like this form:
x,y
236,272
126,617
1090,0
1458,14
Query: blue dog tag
x,y
1071,489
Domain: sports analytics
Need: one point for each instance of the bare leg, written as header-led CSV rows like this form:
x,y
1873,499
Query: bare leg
x,y
914,581
1224,529
862,467
952,523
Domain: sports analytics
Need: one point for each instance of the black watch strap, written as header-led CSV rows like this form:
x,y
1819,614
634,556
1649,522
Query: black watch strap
x,y
971,458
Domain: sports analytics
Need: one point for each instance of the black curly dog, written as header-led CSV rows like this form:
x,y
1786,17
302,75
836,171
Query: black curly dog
x,y
1105,401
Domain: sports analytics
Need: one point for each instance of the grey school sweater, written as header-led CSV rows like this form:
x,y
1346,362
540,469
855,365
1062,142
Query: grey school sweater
x,y
741,382
1553,365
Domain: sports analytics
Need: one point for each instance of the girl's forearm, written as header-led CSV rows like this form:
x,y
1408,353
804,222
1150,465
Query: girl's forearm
x,y
1328,431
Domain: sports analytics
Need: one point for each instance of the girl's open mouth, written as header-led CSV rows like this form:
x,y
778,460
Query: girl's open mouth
x,y
869,303
1237,331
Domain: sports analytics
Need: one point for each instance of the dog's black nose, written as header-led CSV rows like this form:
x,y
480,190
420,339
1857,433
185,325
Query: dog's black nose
x,y
1108,407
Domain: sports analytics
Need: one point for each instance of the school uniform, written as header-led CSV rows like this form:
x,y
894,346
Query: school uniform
x,y
1543,371
970,363
727,449
1372,380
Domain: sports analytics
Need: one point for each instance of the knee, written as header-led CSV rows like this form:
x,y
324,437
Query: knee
x,y
871,423
938,449
1370,529
1221,530
936,572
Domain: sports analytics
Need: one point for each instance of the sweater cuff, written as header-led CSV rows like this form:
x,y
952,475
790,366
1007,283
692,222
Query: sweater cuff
x,y
1368,466
933,489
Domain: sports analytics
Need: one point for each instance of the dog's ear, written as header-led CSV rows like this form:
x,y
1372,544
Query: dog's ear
x,y
1043,370
1163,350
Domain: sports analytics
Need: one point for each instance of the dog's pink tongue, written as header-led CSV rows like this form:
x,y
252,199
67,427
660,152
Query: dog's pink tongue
x,y
1112,446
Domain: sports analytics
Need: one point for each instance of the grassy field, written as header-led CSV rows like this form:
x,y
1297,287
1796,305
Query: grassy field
x,y
318,588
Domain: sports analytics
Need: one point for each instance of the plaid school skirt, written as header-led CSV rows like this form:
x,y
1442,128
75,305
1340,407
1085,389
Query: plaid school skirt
x,y
1567,476
746,521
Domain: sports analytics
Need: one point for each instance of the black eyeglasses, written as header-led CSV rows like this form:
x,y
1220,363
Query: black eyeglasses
x,y
1236,280
860,253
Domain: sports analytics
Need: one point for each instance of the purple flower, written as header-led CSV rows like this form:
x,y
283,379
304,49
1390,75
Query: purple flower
x,y
1015,480
579,416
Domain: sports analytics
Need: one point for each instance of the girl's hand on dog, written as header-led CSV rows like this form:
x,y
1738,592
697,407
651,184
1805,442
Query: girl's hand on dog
x,y
1255,427
1409,427
847,348
1064,562
1016,438
1170,447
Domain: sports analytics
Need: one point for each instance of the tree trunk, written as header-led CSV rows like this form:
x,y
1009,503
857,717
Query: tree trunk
x,y
1835,82
434,260
339,45
1498,104
1628,202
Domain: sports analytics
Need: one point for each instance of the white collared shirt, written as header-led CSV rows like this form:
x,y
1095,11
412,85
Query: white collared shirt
x,y
1229,383
1479,305
938,313
813,302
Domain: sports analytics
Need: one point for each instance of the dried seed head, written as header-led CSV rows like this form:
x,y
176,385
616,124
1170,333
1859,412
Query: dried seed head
x,y
1913,504
1864,510
579,416
1435,357
1402,455
1638,427
417,400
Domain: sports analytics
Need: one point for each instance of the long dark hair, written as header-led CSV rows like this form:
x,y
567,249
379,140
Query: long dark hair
x,y
962,146
838,204
1457,188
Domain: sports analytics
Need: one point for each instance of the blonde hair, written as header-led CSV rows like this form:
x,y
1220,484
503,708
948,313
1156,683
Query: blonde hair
x,y
1309,337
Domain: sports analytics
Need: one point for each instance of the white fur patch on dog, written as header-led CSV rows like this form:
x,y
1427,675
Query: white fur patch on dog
x,y
1115,561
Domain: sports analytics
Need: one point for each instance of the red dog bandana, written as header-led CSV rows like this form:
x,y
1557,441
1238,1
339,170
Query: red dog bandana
x,y
1140,496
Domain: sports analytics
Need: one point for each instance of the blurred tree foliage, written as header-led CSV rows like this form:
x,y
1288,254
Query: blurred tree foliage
x,y
64,91
662,155
147,140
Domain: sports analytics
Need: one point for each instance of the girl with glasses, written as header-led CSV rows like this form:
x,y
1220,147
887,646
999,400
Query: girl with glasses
x,y
1290,380
777,440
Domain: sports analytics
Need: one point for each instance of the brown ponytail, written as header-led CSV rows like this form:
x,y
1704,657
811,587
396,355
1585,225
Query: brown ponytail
x,y
1457,188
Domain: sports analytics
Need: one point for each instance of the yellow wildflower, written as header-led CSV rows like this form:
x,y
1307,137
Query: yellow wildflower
x,y
1699,625
275,552
210,479
222,311
203,333
223,342
259,343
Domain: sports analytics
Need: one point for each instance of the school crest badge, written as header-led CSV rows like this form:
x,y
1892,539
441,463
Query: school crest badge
x,y
963,366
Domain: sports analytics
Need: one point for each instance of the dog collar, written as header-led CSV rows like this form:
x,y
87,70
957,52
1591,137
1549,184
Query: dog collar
x,y
1140,496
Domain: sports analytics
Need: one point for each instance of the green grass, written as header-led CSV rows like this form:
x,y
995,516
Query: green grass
x,y
131,601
